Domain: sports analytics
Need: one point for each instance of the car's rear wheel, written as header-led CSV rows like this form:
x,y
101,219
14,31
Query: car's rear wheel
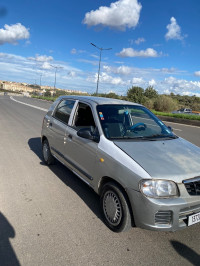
x,y
48,157
115,208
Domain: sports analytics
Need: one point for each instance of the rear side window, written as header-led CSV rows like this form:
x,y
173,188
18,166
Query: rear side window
x,y
63,110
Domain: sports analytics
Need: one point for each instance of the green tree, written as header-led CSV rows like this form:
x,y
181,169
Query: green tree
x,y
112,95
150,92
149,103
136,94
165,103
47,94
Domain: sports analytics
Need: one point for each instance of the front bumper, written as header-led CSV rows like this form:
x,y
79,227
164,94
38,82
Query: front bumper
x,y
163,214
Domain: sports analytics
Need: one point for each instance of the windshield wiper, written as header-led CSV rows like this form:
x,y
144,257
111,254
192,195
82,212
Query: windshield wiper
x,y
152,137
162,136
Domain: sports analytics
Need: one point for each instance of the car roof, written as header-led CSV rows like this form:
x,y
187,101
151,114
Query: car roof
x,y
98,100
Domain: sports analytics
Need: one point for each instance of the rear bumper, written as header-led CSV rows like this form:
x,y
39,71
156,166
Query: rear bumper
x,y
162,214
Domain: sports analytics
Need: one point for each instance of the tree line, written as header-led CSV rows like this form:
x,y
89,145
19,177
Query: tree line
x,y
150,98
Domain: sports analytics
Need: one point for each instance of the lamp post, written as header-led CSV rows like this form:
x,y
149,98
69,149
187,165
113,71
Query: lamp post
x,y
101,49
56,67
40,79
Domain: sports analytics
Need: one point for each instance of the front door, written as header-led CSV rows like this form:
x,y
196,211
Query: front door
x,y
82,152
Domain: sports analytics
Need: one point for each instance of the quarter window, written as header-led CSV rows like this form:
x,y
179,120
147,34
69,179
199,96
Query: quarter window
x,y
63,110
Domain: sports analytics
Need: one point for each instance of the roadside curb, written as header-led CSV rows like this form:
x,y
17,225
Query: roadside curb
x,y
180,120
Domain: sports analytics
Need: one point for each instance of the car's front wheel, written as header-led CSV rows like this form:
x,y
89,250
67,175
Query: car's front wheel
x,y
115,208
48,157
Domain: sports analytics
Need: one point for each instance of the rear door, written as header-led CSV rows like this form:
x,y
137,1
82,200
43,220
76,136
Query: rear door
x,y
58,125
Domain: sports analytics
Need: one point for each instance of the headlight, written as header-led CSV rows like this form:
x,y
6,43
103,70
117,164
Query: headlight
x,y
158,188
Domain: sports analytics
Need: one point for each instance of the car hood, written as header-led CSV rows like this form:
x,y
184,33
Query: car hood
x,y
174,159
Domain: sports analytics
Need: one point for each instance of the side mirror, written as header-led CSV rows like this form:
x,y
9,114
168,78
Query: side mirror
x,y
87,134
170,128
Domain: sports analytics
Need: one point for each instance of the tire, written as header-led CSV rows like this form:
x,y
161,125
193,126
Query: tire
x,y
48,157
115,208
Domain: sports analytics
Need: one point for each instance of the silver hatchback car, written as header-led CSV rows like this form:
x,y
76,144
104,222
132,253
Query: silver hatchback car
x,y
145,175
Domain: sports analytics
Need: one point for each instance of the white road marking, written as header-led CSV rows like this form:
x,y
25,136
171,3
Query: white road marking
x,y
155,124
177,129
33,106
181,124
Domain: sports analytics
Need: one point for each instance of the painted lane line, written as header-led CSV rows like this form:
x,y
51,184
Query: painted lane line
x,y
180,124
177,129
33,106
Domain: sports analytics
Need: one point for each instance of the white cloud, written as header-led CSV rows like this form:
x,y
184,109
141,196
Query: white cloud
x,y
174,31
13,33
168,70
121,70
152,82
139,40
73,51
71,74
138,81
95,56
115,78
46,66
197,73
180,86
130,52
120,14
105,78
41,58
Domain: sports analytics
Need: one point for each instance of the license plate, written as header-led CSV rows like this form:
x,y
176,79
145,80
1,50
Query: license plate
x,y
193,219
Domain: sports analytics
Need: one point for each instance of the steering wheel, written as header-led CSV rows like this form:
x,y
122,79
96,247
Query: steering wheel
x,y
138,126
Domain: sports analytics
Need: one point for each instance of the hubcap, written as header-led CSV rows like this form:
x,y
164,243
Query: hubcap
x,y
112,208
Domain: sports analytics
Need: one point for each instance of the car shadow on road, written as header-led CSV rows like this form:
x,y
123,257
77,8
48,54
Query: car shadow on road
x,y
69,179
7,254
186,252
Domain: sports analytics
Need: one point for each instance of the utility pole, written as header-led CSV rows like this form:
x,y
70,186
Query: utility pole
x,y
101,49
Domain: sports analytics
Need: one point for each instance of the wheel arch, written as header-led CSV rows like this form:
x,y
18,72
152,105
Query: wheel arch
x,y
43,138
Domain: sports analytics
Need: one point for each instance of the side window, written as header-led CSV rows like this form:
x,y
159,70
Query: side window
x,y
84,117
63,110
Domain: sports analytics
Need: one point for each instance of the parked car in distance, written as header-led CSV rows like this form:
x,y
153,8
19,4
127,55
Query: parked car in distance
x,y
146,176
183,111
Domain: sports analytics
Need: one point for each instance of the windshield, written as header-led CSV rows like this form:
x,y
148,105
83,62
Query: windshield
x,y
131,122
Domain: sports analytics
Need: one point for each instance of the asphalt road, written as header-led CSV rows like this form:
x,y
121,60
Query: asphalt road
x,y
50,217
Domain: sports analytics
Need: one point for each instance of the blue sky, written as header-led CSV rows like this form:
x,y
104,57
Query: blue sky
x,y
153,43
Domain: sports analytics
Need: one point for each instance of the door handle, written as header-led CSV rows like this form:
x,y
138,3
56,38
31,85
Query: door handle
x,y
50,124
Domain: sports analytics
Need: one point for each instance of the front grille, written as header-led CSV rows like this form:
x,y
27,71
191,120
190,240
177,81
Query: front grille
x,y
192,186
163,217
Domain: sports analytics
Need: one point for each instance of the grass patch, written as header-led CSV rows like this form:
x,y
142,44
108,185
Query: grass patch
x,y
50,99
182,116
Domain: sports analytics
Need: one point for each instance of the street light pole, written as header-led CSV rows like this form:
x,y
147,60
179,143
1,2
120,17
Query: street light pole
x,y
56,67
40,79
101,49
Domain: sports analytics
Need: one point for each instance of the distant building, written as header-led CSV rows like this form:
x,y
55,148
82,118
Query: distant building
x,y
28,88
